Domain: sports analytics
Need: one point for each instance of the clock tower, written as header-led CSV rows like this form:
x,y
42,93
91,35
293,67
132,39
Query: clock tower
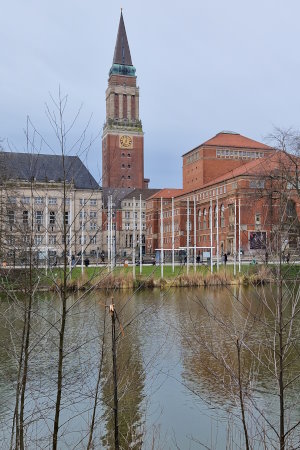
x,y
123,137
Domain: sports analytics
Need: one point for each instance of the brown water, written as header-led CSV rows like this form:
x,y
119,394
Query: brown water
x,y
177,368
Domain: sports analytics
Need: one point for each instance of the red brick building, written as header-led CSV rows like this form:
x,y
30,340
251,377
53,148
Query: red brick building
x,y
123,137
236,209
217,156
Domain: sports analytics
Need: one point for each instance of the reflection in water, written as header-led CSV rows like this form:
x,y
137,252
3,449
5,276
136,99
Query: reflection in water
x,y
230,355
131,378
177,368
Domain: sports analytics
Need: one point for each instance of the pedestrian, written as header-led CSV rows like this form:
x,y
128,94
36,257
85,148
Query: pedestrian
x,y
102,256
225,258
198,259
288,258
86,262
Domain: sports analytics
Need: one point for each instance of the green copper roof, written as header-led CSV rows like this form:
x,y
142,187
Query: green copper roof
x,y
121,69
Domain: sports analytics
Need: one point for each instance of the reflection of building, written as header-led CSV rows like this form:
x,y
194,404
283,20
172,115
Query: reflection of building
x,y
33,212
224,176
123,137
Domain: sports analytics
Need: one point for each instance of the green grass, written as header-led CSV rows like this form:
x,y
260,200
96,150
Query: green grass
x,y
16,278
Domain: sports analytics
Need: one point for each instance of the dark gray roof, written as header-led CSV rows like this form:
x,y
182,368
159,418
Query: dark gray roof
x,y
122,52
41,167
145,193
118,194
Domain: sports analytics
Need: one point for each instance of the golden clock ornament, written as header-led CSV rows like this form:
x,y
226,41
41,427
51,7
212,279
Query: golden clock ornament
x,y
126,141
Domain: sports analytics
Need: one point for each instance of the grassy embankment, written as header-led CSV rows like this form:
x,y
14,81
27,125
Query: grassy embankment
x,y
122,277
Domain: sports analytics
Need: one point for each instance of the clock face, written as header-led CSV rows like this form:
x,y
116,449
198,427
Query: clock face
x,y
125,141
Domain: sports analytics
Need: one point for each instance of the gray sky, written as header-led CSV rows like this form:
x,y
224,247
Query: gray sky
x,y
202,67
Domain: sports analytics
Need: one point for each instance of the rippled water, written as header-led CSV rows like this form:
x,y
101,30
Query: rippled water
x,y
173,363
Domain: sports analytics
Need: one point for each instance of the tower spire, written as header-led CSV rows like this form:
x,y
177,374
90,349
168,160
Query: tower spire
x,y
122,52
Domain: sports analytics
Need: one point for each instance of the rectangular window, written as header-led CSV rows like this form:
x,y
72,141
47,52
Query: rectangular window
x,y
93,226
127,226
63,239
83,201
67,201
127,214
82,240
12,200
39,200
39,217
10,240
93,240
25,217
93,215
52,217
257,184
25,200
52,239
52,200
38,239
11,217
93,202
66,217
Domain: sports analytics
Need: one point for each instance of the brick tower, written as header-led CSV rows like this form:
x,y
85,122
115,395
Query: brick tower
x,y
123,137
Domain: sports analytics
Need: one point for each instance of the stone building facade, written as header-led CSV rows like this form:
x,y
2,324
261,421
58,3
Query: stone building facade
x,y
47,209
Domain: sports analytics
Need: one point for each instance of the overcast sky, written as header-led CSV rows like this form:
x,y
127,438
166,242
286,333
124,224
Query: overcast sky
x,y
202,67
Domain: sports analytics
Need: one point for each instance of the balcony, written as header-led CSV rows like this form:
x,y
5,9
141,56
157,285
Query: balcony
x,y
124,124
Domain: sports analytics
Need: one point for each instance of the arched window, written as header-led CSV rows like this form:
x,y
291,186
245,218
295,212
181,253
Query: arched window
x,y
291,209
216,216
209,216
199,219
204,219
222,216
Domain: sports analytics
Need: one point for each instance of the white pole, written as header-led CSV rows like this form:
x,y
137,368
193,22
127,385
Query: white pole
x,y
239,235
195,235
141,243
187,235
133,240
173,239
46,226
217,205
82,226
70,235
211,237
108,232
234,260
161,239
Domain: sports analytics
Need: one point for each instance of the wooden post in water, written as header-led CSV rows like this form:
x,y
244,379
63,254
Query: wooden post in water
x,y
161,239
115,377
133,239
234,242
187,235
173,239
217,212
195,236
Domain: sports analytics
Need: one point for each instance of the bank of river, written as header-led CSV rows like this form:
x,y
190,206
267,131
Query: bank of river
x,y
103,277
